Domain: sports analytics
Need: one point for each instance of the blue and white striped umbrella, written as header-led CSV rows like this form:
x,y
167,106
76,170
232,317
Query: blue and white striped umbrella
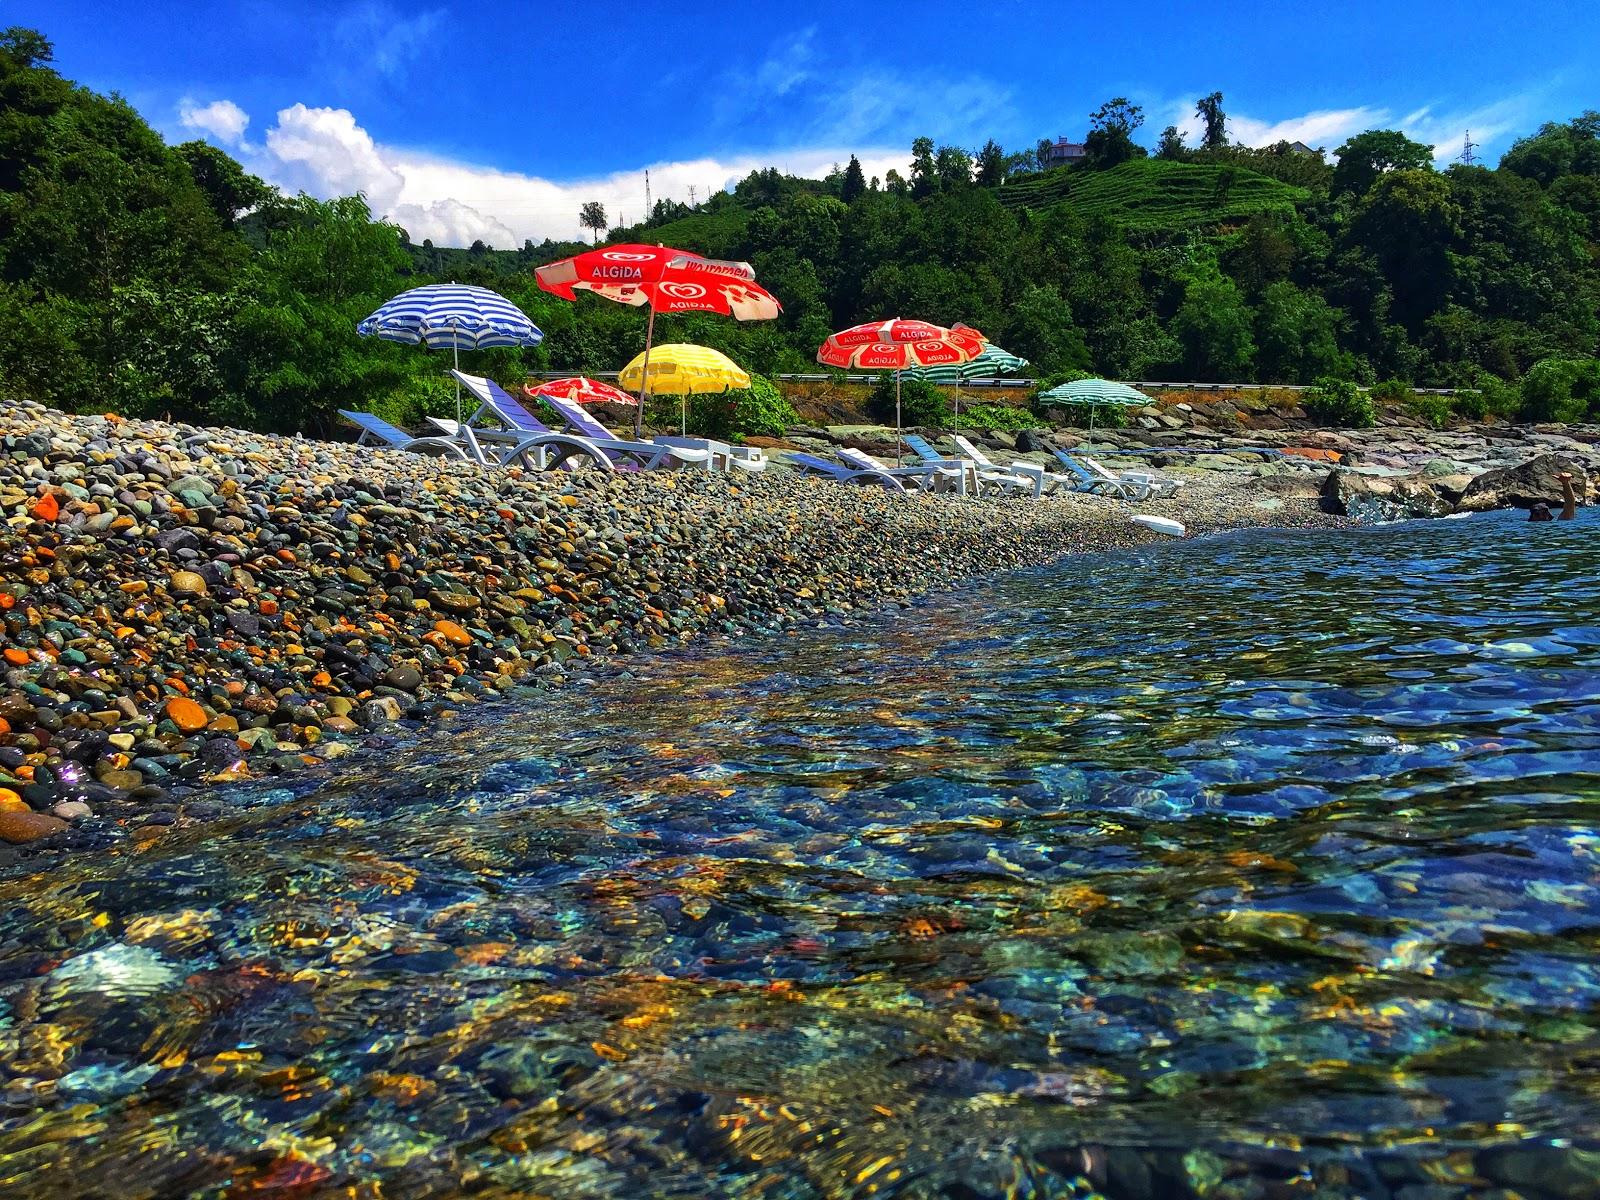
x,y
452,314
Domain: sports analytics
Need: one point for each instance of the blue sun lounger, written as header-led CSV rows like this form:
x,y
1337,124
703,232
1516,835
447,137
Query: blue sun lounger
x,y
376,431
810,464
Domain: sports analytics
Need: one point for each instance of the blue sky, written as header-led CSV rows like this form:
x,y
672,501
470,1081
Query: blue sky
x,y
498,120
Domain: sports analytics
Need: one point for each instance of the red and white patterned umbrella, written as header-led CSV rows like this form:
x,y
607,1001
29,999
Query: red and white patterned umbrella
x,y
896,344
580,389
665,280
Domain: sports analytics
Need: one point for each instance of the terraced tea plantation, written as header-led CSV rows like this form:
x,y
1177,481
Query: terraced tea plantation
x,y
1149,194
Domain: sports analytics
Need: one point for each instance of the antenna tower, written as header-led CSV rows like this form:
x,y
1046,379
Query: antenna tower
x,y
691,195
1467,148
647,208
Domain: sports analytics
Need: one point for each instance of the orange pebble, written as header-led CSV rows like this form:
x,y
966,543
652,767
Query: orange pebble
x,y
268,608
186,714
453,633
47,509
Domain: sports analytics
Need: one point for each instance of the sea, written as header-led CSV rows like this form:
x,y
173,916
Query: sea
x,y
1258,865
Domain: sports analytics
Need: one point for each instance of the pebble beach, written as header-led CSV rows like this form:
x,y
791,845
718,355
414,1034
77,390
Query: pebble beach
x,y
185,607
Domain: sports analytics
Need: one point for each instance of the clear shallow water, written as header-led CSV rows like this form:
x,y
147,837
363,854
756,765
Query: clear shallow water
x,y
1265,865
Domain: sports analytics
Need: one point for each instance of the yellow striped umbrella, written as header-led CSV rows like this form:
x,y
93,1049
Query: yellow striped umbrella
x,y
677,369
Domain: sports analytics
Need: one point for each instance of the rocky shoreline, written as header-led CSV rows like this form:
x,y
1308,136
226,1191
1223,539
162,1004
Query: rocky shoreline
x,y
184,607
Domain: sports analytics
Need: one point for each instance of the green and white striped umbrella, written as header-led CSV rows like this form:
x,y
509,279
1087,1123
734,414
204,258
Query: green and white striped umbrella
x,y
992,361
1098,393
1095,393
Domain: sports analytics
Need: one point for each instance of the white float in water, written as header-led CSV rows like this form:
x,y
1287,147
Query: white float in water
x,y
1164,525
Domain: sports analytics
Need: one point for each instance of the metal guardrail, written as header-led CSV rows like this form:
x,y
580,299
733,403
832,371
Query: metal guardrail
x,y
1146,384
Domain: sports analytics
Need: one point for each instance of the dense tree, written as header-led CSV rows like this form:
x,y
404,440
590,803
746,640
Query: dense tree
x,y
924,177
1171,145
1040,328
854,182
153,279
1209,110
953,166
593,216
228,188
1368,155
1111,128
1296,335
1214,328
1557,150
991,165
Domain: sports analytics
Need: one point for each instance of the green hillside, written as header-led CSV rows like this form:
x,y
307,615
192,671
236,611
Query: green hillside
x,y
1153,194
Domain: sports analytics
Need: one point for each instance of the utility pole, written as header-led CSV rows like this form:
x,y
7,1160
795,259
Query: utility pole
x,y
647,208
1467,148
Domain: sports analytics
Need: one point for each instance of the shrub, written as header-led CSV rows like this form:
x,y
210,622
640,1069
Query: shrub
x,y
1392,391
1340,403
757,411
1102,416
1561,389
1433,410
1482,395
1470,405
999,416
921,403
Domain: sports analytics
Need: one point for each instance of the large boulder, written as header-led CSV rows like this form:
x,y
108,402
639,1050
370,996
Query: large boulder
x,y
1348,494
1522,486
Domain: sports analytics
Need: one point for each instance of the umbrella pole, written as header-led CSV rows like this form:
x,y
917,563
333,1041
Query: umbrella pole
x,y
455,349
897,461
644,373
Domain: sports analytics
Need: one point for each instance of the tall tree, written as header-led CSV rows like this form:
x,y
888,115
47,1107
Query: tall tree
x,y
924,179
1209,110
1368,155
1171,146
593,216
1110,139
1042,153
854,181
953,165
229,188
991,165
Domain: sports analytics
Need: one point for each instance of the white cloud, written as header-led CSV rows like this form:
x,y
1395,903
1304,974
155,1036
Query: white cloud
x,y
1328,128
857,102
375,39
325,152
222,119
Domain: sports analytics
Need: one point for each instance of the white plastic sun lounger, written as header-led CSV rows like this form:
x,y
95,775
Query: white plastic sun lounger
x,y
1102,482
810,464
1032,476
1156,487
660,454
923,476
519,436
983,473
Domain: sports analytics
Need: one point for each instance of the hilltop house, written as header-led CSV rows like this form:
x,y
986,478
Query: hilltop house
x,y
1064,153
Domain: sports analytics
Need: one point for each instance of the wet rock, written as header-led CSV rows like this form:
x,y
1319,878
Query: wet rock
x,y
1523,485
19,828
